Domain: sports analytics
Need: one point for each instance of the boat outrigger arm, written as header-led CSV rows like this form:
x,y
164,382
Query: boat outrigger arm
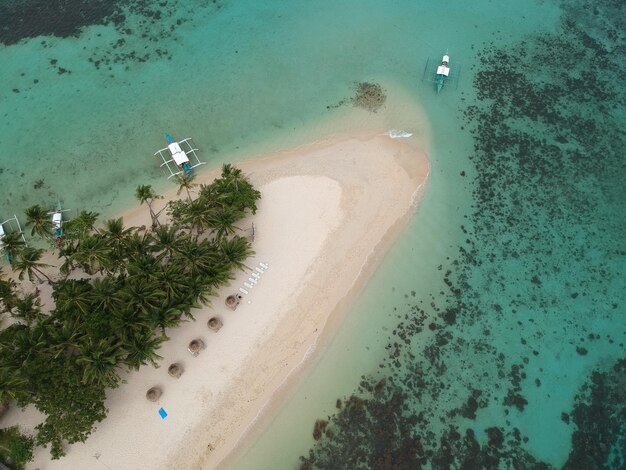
x,y
9,223
443,71
179,157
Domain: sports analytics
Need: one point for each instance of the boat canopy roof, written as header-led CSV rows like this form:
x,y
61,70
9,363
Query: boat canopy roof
x,y
56,219
443,70
446,58
178,153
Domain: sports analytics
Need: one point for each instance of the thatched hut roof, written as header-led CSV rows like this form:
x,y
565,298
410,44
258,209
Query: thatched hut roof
x,y
232,301
175,370
214,324
195,346
153,394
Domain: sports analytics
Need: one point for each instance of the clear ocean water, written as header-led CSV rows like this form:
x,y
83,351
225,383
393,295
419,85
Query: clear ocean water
x,y
493,333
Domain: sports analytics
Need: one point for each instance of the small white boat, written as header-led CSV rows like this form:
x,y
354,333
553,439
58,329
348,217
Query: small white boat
x,y
179,157
443,72
440,72
57,220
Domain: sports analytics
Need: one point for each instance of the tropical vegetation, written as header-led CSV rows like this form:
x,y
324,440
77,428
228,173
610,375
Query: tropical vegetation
x,y
16,449
127,287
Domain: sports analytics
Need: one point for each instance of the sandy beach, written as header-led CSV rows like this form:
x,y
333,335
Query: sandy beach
x,y
328,213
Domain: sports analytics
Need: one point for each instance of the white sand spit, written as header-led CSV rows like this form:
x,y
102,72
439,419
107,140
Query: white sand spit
x,y
328,213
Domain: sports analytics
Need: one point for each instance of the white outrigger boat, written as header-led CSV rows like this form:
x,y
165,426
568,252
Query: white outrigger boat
x,y
440,72
179,157
443,71
9,223
57,221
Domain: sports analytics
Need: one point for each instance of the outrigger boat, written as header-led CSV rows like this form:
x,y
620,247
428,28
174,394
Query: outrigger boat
x,y
441,73
179,157
57,221
9,223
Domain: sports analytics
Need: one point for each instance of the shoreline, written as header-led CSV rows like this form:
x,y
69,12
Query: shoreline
x,y
332,234
312,355
266,405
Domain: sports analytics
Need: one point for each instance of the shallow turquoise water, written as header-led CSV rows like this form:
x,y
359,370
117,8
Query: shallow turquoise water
x,y
527,251
233,77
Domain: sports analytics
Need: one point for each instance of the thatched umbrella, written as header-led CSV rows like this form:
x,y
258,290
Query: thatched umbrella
x,y
214,324
153,394
195,346
232,301
175,370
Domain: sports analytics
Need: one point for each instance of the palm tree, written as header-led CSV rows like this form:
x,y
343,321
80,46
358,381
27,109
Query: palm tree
x,y
128,322
27,308
13,385
197,257
24,343
235,251
139,245
245,196
195,216
232,174
69,251
168,240
184,182
234,190
73,297
219,275
93,254
7,295
81,225
208,193
166,316
141,295
143,268
199,290
116,235
222,221
40,221
100,362
66,337
28,262
12,244
141,350
145,194
104,295
172,281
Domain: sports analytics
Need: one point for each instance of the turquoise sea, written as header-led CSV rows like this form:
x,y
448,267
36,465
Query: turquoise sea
x,y
493,334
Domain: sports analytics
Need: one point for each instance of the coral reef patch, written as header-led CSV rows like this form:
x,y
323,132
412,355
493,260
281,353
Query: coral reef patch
x,y
536,290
